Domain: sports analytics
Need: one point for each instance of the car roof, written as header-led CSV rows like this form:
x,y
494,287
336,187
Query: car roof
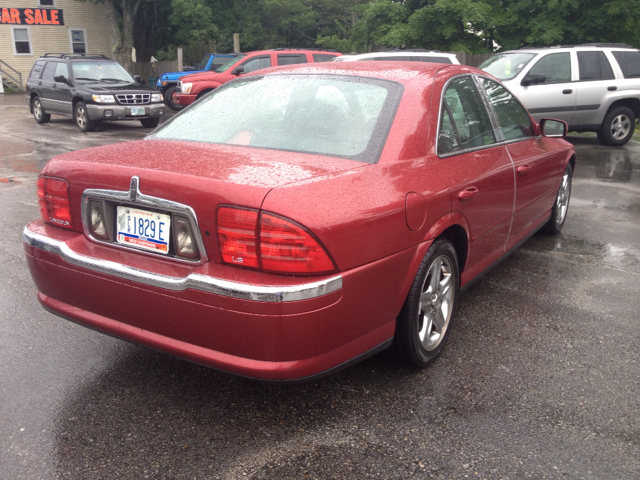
x,y
584,46
401,72
404,53
293,50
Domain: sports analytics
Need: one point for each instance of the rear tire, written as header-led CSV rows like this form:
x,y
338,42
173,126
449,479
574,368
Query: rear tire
x,y
168,99
424,323
150,122
81,117
618,127
561,205
38,112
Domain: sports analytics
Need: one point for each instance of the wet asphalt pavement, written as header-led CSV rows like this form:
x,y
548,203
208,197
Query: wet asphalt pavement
x,y
540,378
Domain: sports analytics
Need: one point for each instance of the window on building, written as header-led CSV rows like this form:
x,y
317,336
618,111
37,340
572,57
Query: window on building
x,y
46,3
78,40
21,40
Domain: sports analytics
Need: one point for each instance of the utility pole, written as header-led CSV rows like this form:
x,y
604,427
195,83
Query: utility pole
x,y
236,42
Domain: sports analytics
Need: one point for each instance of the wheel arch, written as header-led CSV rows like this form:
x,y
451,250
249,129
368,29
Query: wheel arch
x,y
204,92
452,227
631,103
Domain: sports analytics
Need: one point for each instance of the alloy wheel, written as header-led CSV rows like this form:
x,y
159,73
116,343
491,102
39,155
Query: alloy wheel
x,y
81,118
562,203
37,109
436,303
620,127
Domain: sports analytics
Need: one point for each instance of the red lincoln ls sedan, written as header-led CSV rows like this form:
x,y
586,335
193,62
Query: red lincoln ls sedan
x,y
301,218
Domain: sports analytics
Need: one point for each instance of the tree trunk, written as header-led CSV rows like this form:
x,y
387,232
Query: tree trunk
x,y
114,28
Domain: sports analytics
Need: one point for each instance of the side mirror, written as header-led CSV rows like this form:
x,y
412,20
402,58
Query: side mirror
x,y
532,79
553,128
238,70
137,78
61,79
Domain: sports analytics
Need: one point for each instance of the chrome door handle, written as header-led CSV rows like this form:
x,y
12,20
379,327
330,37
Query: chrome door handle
x,y
468,193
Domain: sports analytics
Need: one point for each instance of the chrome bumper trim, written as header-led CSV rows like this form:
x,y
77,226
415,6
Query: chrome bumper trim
x,y
194,281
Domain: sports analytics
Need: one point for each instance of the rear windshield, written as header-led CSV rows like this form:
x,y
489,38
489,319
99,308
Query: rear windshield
x,y
335,115
629,63
508,65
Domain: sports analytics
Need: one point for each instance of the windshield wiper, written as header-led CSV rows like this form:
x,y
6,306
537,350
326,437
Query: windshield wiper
x,y
88,79
114,80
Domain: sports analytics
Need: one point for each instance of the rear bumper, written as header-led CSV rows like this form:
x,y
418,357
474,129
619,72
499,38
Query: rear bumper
x,y
184,99
259,331
123,112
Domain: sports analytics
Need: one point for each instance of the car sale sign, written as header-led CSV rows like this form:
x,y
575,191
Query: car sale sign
x,y
31,16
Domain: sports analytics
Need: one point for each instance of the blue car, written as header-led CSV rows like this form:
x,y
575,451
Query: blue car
x,y
168,82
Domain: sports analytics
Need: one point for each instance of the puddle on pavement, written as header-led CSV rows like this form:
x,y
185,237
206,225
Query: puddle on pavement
x,y
585,251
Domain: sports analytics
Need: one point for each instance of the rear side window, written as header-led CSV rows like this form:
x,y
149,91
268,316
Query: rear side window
x,y
434,59
36,71
321,57
390,58
291,59
465,122
556,68
49,70
629,63
594,66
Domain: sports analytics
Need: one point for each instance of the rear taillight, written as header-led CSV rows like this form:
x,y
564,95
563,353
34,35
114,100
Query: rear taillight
x,y
53,198
286,247
237,236
269,242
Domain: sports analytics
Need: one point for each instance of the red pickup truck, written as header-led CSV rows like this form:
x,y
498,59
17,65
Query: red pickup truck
x,y
195,86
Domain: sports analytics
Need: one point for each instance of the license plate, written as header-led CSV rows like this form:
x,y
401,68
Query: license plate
x,y
137,111
143,229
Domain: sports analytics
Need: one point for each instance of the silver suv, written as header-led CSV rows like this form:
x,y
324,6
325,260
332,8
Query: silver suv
x,y
592,87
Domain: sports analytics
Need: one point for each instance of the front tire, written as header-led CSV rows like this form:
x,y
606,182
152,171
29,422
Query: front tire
x,y
150,122
81,117
561,205
38,112
618,127
168,99
423,326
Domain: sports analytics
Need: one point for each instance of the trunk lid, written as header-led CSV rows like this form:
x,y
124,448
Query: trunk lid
x,y
202,176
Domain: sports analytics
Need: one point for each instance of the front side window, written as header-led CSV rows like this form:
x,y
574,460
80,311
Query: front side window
x,y
334,115
508,65
228,64
594,66
21,41
629,63
256,64
78,40
555,67
61,70
468,116
512,117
